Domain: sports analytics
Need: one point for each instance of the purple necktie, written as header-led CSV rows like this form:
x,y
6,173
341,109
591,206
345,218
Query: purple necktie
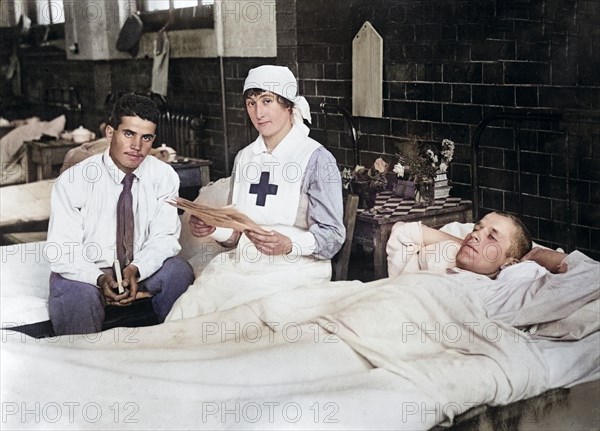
x,y
125,223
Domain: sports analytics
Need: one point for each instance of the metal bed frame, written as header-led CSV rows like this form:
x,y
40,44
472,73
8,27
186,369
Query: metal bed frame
x,y
516,120
509,416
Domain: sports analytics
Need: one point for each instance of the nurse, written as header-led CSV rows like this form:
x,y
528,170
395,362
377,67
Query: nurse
x,y
289,184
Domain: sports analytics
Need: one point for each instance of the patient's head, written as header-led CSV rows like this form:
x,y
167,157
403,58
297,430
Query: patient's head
x,y
497,240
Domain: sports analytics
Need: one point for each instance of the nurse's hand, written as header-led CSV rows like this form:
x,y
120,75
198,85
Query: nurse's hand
x,y
272,243
199,228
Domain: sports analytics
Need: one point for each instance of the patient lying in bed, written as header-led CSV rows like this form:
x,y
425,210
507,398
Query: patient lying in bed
x,y
497,260
498,240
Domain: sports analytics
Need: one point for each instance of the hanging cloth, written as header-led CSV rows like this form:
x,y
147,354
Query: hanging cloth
x,y
160,67
13,74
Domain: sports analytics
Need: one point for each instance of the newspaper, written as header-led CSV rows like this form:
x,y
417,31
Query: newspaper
x,y
226,216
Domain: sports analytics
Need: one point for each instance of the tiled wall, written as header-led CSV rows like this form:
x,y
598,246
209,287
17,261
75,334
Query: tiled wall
x,y
447,66
194,88
450,64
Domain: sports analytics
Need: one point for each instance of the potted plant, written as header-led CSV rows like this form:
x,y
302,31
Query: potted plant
x,y
423,164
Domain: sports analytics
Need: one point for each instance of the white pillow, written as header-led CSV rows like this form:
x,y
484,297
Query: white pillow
x,y
458,229
199,251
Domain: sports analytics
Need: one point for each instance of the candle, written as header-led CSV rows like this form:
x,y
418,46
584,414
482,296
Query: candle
x,y
119,276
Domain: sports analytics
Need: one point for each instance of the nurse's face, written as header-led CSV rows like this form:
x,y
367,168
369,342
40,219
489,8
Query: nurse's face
x,y
272,120
484,250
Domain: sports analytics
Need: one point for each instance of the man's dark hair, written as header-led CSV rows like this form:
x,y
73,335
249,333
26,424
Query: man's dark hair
x,y
134,105
251,92
521,242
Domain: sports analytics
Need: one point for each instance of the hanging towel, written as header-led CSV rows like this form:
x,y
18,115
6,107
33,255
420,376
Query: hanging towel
x,y
160,67
13,74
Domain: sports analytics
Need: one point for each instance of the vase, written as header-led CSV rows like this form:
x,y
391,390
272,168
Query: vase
x,y
404,189
425,195
366,194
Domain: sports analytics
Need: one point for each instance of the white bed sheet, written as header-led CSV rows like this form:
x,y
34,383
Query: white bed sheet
x,y
220,386
24,275
23,203
276,373
571,363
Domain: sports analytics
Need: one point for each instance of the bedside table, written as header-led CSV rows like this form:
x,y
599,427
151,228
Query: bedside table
x,y
373,227
193,174
44,156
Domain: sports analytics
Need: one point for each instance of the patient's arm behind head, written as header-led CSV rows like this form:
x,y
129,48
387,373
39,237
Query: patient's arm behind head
x,y
552,260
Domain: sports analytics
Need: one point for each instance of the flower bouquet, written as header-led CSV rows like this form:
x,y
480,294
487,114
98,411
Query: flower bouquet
x,y
424,165
366,182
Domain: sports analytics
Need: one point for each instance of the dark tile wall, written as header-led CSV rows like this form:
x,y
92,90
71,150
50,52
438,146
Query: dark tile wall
x,y
194,89
450,64
93,81
45,70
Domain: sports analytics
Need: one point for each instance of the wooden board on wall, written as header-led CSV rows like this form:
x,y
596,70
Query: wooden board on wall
x,y
367,73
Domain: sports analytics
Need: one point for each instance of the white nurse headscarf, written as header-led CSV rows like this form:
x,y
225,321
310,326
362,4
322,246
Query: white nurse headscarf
x,y
280,80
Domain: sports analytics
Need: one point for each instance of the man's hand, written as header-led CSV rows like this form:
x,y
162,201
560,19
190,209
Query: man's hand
x,y
108,285
199,228
130,274
272,243
552,260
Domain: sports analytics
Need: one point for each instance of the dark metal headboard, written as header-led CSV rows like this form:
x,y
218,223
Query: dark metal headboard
x,y
567,122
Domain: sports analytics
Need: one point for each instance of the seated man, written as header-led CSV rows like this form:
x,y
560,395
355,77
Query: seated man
x,y
111,208
497,241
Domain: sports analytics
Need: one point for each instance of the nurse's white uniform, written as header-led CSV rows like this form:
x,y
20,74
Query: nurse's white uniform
x,y
266,187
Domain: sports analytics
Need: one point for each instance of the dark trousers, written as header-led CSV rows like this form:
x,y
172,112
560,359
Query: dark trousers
x,y
78,308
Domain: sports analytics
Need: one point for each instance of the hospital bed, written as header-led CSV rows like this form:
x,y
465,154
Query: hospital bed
x,y
25,207
314,358
328,358
34,119
511,136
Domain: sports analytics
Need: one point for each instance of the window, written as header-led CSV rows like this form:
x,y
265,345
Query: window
x,y
154,5
9,13
50,11
176,14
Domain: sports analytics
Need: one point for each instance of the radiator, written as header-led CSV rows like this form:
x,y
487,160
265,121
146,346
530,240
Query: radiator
x,y
180,132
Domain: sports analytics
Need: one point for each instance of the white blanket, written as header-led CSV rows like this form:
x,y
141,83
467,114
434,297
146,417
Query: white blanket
x,y
404,353
306,369
427,328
